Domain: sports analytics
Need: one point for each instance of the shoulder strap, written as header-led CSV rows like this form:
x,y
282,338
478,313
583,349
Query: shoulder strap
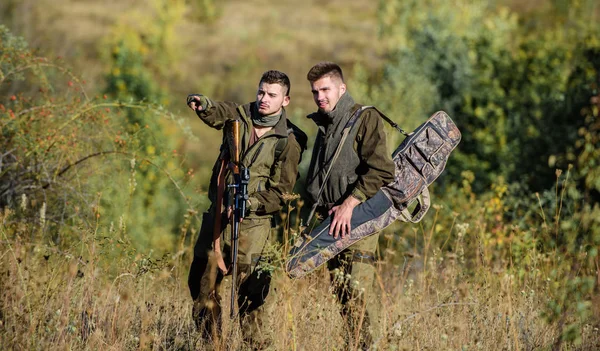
x,y
345,132
298,135
282,143
280,146
387,119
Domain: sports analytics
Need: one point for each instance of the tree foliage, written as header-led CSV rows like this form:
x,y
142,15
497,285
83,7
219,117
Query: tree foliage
x,y
524,92
70,162
515,87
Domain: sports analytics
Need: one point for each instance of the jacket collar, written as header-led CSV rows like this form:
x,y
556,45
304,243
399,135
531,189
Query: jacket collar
x,y
280,129
342,109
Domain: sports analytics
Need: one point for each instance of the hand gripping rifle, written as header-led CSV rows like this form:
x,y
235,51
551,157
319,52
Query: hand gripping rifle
x,y
241,176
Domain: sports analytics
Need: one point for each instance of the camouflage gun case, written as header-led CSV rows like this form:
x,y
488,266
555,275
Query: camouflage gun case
x,y
419,160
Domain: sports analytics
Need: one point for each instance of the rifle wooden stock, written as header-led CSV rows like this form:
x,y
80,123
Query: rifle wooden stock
x,y
234,145
238,187
229,158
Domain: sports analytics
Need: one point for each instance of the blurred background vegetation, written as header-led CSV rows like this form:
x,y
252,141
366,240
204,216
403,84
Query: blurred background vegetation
x,y
96,135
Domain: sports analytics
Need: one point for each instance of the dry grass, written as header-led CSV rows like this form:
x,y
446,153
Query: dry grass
x,y
98,295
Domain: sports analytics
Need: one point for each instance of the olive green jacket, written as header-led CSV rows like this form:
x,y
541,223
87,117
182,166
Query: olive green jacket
x,y
364,164
270,178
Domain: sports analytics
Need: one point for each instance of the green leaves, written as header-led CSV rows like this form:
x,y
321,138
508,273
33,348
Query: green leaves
x,y
515,91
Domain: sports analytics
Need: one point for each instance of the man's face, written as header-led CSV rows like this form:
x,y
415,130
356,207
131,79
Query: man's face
x,y
270,98
327,91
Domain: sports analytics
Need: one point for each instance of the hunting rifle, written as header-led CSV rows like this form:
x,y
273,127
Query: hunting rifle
x,y
241,176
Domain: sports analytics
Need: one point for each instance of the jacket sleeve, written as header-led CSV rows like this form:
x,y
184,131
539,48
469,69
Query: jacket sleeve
x,y
216,113
283,177
377,165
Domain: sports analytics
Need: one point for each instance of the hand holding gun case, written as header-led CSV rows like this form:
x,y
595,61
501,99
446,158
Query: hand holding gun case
x,y
419,160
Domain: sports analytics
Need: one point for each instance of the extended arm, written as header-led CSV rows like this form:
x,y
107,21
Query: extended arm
x,y
213,113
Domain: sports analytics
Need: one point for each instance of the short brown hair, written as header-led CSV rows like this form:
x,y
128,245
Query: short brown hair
x,y
276,77
324,69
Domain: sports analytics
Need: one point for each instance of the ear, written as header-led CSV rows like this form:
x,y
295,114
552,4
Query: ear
x,y
342,89
286,101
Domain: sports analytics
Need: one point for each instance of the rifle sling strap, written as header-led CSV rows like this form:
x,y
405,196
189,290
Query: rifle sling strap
x,y
389,120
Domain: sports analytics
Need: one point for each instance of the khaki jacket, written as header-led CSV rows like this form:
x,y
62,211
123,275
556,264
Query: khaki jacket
x,y
270,178
363,166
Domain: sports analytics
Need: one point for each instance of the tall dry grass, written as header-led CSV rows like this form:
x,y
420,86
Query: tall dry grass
x,y
100,293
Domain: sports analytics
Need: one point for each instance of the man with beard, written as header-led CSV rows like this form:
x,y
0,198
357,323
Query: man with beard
x,y
270,150
362,166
